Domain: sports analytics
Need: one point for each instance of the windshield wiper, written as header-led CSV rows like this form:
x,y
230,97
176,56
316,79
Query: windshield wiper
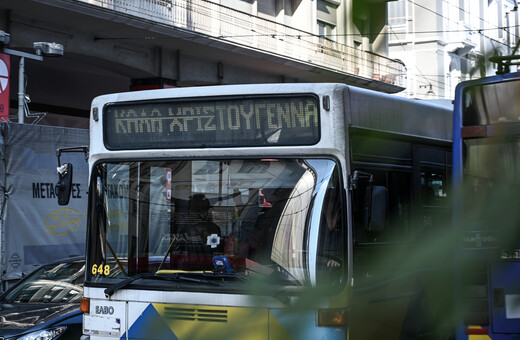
x,y
175,278
223,275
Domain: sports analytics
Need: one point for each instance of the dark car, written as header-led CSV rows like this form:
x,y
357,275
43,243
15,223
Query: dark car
x,y
45,304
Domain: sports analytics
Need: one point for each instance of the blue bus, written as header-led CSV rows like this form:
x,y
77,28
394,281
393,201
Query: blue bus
x,y
486,178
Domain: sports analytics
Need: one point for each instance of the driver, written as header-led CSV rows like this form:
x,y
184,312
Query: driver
x,y
200,228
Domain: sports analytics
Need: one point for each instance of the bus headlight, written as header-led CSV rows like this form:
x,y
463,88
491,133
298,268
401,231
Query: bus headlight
x,y
332,318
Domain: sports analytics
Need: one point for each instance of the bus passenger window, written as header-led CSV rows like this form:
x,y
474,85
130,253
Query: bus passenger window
x,y
433,188
398,185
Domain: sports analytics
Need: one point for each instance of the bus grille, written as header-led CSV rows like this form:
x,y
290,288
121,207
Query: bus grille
x,y
196,314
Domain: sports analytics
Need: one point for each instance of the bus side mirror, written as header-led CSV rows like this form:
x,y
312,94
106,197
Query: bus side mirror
x,y
64,185
375,208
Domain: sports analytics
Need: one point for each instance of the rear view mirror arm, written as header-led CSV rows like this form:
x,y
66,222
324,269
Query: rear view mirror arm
x,y
64,185
83,149
354,179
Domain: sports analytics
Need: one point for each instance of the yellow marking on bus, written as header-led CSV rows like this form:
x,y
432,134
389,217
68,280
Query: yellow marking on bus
x,y
276,330
175,271
209,322
478,336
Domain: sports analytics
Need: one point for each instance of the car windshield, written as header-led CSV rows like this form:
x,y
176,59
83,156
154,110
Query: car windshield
x,y
54,283
279,218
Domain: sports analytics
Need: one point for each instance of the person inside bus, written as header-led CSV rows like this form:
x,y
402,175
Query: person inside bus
x,y
199,237
331,234
202,226
258,238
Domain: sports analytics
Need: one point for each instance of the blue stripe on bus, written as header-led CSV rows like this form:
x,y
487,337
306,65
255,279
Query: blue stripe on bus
x,y
150,325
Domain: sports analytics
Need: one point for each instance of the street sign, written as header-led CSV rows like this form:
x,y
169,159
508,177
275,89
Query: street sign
x,y
5,68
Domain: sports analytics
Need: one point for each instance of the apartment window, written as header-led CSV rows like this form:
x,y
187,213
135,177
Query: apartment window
x,y
239,5
327,11
462,10
327,18
326,31
397,13
267,7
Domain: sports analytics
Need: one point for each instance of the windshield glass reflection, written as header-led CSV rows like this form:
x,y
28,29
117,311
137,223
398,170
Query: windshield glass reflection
x,y
246,217
491,160
56,283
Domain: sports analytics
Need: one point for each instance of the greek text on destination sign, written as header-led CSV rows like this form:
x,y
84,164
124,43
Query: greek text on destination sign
x,y
263,121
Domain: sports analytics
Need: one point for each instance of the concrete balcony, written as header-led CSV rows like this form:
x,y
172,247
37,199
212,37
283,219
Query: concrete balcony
x,y
229,29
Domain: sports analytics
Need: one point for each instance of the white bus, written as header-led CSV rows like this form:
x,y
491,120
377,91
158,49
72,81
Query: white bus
x,y
261,212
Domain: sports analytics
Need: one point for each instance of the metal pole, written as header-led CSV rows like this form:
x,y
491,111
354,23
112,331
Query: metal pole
x,y
21,90
21,78
508,37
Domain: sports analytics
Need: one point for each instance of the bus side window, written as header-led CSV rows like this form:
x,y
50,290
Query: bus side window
x,y
375,209
398,204
433,188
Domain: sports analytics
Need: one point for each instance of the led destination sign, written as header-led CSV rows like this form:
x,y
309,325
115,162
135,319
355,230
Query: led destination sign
x,y
279,120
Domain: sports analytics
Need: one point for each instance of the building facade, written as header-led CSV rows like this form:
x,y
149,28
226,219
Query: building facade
x,y
116,45
443,42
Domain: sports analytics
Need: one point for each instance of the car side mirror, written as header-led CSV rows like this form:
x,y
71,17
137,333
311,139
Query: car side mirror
x,y
64,185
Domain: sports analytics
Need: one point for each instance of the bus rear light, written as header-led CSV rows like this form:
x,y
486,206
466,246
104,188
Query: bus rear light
x,y
85,305
332,318
476,331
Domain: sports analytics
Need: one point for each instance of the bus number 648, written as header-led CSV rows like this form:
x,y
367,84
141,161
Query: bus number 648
x,y
100,270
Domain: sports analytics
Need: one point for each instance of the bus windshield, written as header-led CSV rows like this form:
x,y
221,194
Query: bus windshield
x,y
491,185
275,218
492,160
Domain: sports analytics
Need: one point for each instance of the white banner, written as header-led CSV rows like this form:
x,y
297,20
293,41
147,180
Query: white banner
x,y
34,229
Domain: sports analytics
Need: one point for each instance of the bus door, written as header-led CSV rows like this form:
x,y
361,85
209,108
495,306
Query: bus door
x,y
505,296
